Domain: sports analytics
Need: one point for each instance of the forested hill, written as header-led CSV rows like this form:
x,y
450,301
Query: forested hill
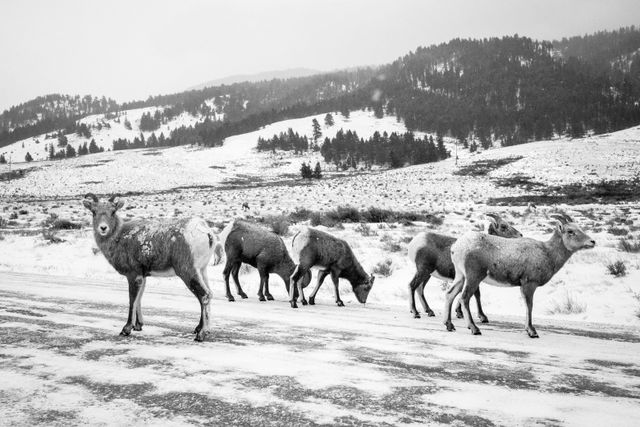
x,y
216,106
511,89
515,89
48,113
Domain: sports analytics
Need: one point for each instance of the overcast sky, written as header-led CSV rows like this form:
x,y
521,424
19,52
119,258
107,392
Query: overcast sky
x,y
131,49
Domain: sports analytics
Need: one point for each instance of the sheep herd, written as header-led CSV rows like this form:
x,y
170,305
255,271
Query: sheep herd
x,y
184,248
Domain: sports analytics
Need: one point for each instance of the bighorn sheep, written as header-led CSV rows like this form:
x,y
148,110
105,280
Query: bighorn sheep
x,y
317,248
520,262
262,249
138,249
431,254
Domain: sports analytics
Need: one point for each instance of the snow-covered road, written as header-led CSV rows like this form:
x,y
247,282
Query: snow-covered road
x,y
62,362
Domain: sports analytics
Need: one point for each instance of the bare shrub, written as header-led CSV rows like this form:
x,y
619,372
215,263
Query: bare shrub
x,y
569,305
617,269
627,245
365,230
383,268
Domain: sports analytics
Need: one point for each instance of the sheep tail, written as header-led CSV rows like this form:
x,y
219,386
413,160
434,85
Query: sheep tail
x,y
218,253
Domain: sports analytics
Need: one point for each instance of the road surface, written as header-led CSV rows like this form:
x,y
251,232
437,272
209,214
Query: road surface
x,y
62,362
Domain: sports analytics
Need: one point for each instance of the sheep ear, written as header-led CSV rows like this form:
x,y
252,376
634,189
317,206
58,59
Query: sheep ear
x,y
89,204
493,221
118,203
560,227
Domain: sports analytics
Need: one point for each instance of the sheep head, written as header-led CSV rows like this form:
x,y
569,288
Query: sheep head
x,y
501,228
105,218
573,237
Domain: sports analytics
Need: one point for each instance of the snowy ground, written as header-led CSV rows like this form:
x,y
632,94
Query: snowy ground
x,y
267,364
580,371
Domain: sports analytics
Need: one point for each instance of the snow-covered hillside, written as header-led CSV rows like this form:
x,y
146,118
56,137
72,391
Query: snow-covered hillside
x,y
163,169
104,130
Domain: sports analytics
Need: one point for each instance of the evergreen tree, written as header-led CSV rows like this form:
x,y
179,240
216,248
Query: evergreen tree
x,y
28,157
2,159
305,171
328,120
62,139
317,133
70,152
93,147
52,154
127,124
317,171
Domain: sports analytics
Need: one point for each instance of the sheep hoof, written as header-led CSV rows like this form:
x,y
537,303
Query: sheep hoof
x,y
293,304
304,301
450,326
476,331
269,297
137,327
532,333
261,298
339,303
483,319
125,331
231,298
430,313
243,295
416,315
312,301
200,336
459,315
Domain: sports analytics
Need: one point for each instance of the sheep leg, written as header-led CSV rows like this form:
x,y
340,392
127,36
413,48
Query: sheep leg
x,y
226,272
205,278
423,300
234,273
459,309
266,288
470,286
293,286
483,317
300,291
413,286
139,322
452,292
196,284
322,274
134,286
263,275
527,291
335,277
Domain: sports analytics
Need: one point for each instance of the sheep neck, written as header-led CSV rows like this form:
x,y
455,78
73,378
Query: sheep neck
x,y
558,252
355,274
108,244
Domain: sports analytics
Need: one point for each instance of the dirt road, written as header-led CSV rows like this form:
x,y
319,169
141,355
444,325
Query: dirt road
x,y
62,362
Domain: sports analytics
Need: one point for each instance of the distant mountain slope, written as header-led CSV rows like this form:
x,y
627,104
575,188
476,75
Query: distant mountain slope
x,y
257,77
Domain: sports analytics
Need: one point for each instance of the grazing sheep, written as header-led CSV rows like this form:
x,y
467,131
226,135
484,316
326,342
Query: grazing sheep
x,y
431,253
138,249
520,262
262,249
317,248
